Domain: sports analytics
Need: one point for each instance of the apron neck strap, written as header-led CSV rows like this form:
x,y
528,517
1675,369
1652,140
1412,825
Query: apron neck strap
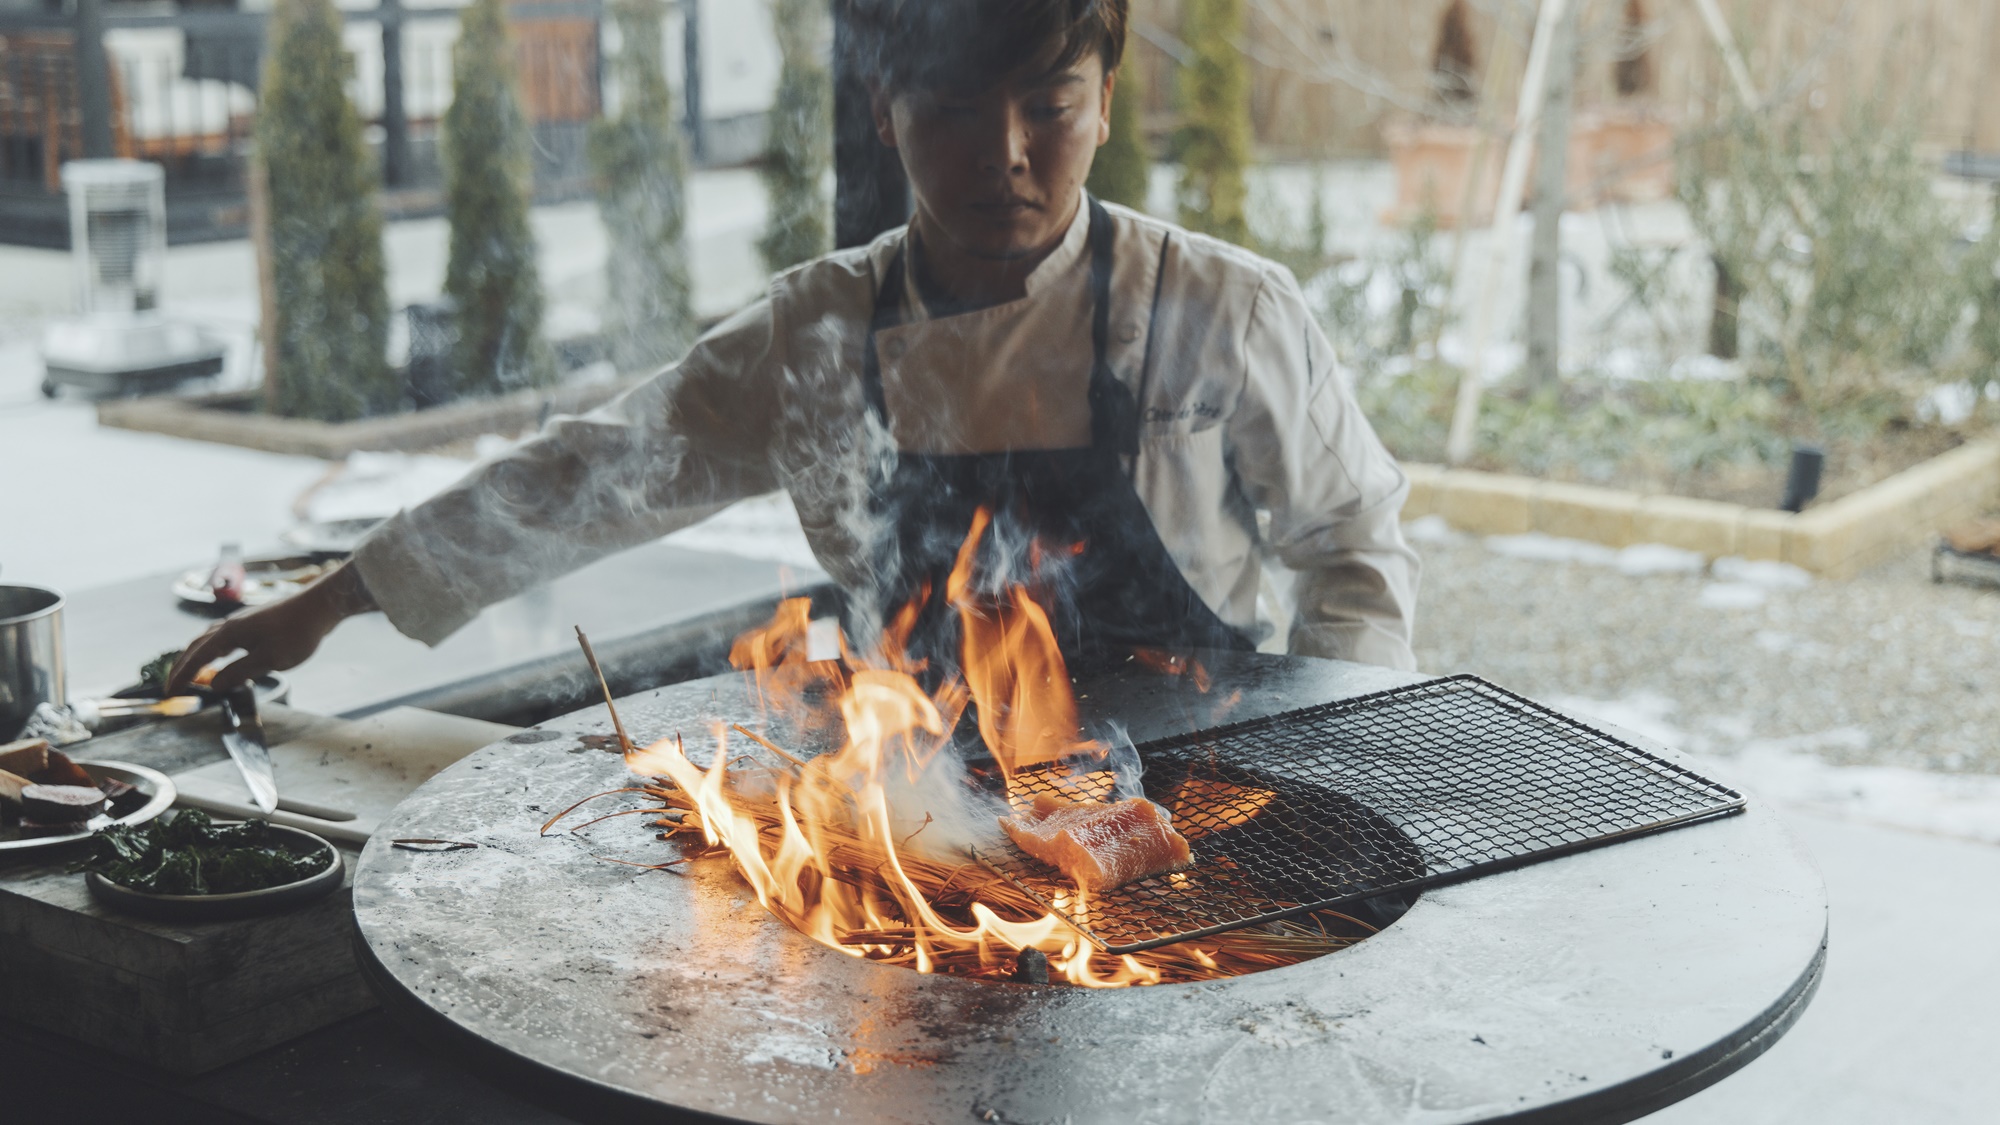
x,y
1114,415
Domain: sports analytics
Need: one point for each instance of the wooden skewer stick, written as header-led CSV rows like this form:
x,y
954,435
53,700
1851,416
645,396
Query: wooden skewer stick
x,y
624,740
766,743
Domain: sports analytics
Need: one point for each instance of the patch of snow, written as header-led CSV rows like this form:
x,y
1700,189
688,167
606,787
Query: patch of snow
x,y
762,527
1430,529
1658,558
1705,369
592,374
488,446
570,319
374,485
1502,358
1628,365
109,505
1949,405
1962,805
1776,641
1761,572
1731,595
1644,713
1771,640
1792,771
1548,548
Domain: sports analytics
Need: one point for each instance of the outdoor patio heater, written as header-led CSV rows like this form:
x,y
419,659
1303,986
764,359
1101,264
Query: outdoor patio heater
x,y
1561,981
120,342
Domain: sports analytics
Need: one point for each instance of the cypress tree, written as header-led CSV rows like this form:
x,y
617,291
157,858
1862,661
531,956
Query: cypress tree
x,y
642,199
1123,168
1214,142
801,142
491,277
332,307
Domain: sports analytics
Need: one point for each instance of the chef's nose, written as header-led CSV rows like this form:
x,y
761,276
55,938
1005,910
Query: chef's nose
x,y
1004,148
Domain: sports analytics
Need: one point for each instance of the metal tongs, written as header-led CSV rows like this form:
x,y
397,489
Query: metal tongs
x,y
243,737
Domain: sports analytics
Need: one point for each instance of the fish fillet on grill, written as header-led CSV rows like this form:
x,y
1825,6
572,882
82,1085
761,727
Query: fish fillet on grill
x,y
1100,846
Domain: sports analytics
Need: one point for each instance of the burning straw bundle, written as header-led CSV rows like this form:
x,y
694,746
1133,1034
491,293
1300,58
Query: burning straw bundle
x,y
826,843
953,889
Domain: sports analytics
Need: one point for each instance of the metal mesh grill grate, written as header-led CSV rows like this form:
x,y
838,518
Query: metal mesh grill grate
x,y
1400,790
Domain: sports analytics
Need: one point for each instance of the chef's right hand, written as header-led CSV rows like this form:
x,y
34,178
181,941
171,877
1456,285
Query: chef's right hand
x,y
276,636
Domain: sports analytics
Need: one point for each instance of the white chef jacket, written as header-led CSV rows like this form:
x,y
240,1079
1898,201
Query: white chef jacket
x,y
1242,410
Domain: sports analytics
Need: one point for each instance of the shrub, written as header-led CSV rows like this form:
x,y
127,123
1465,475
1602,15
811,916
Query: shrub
x,y
491,278
801,145
642,200
1123,169
332,308
1214,140
1850,294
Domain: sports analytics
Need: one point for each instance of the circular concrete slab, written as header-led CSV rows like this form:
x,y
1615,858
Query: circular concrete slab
x,y
1593,987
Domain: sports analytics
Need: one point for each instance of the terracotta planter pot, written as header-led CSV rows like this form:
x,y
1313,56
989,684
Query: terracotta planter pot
x,y
1432,163
1620,154
1617,154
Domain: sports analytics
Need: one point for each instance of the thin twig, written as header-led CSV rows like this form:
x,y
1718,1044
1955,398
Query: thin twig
x,y
608,816
766,743
594,796
642,866
913,835
624,740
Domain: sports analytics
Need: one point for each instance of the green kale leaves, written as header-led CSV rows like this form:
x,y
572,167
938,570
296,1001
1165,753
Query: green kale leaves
x,y
192,855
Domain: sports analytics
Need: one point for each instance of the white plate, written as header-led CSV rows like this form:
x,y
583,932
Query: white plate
x,y
158,788
262,583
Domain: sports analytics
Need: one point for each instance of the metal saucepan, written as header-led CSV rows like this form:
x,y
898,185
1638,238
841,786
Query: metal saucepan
x,y
31,654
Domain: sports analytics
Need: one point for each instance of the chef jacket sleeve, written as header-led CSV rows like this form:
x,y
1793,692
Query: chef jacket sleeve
x,y
1305,454
665,454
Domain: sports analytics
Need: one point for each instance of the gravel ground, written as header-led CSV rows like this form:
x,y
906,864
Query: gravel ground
x,y
1885,669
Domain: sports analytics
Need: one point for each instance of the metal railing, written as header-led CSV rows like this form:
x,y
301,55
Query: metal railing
x,y
179,87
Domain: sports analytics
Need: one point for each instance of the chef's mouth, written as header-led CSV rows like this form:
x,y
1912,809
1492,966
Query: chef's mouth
x,y
1006,208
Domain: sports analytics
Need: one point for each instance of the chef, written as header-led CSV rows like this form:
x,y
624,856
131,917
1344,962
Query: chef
x,y
1136,420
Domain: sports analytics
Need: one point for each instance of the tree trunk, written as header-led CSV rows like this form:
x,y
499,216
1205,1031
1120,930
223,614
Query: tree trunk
x,y
267,286
1722,340
1544,327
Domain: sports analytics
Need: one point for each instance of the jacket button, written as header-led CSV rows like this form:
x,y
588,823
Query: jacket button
x,y
894,349
1129,333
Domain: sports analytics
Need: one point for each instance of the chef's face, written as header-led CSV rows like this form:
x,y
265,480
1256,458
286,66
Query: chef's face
x,y
998,171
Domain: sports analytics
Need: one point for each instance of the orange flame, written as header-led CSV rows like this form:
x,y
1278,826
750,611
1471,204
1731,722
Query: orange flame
x,y
870,805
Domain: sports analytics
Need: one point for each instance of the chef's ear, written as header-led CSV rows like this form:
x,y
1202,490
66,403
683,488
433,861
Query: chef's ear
x,y
1104,107
879,106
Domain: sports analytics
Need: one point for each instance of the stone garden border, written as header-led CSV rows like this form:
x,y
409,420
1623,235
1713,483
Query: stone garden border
x,y
230,418
1836,540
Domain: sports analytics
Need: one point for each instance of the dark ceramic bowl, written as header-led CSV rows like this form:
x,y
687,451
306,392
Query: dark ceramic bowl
x,y
243,904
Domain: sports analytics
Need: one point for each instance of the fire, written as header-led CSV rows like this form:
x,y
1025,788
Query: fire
x,y
863,848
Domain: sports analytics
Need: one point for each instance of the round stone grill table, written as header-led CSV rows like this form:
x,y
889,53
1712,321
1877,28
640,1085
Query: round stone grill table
x,y
1597,986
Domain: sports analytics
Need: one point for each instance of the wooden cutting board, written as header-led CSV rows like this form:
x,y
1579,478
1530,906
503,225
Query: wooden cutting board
x,y
341,778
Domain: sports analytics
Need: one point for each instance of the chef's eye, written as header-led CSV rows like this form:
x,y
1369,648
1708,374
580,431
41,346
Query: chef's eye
x,y
1047,112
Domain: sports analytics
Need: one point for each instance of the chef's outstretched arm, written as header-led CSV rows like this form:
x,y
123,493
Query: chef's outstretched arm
x,y
666,454
1307,455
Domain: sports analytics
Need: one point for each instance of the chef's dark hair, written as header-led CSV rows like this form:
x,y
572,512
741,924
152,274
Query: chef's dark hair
x,y
972,44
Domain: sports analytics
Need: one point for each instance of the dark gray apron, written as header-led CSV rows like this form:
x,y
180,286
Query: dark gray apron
x,y
1067,523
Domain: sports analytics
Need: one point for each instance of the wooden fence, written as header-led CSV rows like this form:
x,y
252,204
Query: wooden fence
x,y
1328,75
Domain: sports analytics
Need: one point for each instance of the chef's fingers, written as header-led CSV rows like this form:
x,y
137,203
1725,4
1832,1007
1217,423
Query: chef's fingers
x,y
215,642
241,671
